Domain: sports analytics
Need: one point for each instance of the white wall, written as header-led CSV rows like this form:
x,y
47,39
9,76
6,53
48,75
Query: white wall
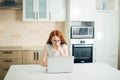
x,y
15,32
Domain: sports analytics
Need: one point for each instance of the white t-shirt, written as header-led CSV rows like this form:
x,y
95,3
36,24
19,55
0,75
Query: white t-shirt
x,y
50,51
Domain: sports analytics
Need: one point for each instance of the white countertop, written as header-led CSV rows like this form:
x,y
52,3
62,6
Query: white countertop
x,y
21,47
84,71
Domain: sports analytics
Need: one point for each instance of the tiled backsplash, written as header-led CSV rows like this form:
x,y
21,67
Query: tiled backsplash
x,y
13,31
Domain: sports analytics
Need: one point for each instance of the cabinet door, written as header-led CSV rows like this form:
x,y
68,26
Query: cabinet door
x,y
119,62
35,10
0,73
0,59
57,10
28,13
82,10
106,34
106,37
42,10
29,57
3,72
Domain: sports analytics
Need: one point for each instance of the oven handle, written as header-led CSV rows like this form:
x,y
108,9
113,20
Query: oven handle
x,y
83,45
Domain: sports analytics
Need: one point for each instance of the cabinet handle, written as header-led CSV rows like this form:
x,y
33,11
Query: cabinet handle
x,y
6,69
7,52
37,55
8,60
34,56
36,15
10,52
50,15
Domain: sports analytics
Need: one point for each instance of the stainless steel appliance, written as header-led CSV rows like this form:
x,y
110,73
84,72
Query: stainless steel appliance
x,y
81,32
82,50
11,4
82,41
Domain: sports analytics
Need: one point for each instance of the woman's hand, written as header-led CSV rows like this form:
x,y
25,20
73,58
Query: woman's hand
x,y
57,47
60,50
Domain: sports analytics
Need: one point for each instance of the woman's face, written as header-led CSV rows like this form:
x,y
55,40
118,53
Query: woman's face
x,y
56,41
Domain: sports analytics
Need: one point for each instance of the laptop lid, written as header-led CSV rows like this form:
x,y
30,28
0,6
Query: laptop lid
x,y
60,64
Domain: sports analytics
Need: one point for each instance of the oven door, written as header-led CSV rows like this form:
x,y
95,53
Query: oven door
x,y
82,53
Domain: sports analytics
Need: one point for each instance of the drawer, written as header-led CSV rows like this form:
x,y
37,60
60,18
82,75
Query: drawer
x,y
9,62
11,54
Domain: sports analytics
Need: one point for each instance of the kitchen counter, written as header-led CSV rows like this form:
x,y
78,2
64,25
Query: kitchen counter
x,y
87,71
21,47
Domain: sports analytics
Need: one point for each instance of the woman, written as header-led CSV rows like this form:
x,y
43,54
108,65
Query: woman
x,y
55,46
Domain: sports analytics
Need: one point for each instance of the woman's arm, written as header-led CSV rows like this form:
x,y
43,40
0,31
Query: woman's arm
x,y
65,51
43,61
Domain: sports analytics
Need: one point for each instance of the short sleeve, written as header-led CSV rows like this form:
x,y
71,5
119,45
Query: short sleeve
x,y
48,48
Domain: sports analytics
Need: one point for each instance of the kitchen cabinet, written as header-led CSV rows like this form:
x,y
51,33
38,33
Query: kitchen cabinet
x,y
119,61
0,68
107,5
8,58
106,37
0,73
3,73
35,10
82,10
31,56
44,10
57,10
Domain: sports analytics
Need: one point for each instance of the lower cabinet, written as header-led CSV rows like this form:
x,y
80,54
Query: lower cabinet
x,y
31,56
119,62
16,57
3,72
0,74
8,58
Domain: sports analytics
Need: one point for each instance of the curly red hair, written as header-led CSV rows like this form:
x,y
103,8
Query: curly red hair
x,y
56,33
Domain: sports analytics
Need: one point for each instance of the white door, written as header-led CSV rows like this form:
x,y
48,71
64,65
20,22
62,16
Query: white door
x,y
106,36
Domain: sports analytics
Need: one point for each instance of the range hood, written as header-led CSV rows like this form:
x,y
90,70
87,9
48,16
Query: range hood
x,y
10,4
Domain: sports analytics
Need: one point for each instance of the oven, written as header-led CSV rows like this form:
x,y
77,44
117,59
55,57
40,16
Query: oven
x,y
82,53
82,50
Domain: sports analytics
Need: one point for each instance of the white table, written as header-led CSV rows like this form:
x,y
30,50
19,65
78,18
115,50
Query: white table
x,y
87,71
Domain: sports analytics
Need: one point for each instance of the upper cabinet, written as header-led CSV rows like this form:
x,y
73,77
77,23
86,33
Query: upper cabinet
x,y
35,10
82,10
44,10
107,5
57,10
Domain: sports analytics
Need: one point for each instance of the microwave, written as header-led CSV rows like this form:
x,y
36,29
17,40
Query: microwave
x,y
82,32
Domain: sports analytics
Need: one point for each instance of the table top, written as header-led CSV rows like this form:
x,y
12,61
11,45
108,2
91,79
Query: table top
x,y
81,71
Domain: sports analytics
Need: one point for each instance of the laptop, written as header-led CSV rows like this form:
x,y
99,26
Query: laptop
x,y
60,64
